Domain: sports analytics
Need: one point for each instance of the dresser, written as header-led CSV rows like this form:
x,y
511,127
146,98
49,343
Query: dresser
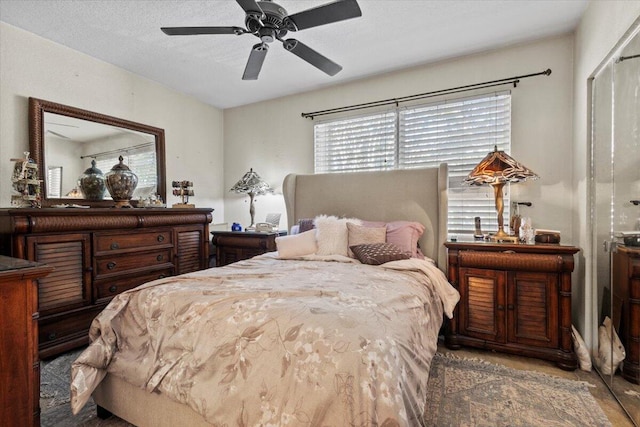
x,y
19,362
514,298
232,246
626,291
98,253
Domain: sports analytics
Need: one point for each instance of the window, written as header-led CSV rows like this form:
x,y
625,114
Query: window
x,y
459,132
54,182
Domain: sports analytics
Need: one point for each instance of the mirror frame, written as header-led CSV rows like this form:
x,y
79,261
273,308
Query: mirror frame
x,y
37,108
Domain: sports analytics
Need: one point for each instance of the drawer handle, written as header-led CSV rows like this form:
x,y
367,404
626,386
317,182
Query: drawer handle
x,y
159,257
508,252
115,245
510,307
500,307
52,336
113,288
111,265
161,238
162,276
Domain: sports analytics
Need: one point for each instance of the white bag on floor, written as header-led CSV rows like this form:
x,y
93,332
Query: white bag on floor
x,y
584,360
609,356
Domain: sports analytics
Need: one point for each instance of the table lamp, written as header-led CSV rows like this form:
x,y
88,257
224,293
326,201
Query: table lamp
x,y
496,169
253,185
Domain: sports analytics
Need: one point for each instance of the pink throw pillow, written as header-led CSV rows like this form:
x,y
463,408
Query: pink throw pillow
x,y
405,235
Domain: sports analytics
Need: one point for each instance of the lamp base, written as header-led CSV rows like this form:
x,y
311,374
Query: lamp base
x,y
501,236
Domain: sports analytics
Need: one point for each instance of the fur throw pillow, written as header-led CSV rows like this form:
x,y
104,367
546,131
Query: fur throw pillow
x,y
332,235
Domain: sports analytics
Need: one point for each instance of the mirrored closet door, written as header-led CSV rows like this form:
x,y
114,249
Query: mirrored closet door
x,y
615,203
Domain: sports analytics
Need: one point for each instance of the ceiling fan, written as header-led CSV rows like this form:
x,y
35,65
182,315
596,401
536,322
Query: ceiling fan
x,y
269,21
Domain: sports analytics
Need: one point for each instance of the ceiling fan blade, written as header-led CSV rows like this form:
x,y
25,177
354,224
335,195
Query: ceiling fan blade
x,y
251,8
59,135
312,57
254,64
190,31
321,15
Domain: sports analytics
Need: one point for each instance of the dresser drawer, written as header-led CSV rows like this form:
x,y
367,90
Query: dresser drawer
x,y
107,266
60,328
109,242
106,289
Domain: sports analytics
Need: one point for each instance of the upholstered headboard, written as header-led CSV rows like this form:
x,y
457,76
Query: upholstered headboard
x,y
409,194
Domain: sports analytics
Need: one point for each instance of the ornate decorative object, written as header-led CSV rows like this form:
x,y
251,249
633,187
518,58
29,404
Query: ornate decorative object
x,y
183,190
253,185
92,183
26,183
496,169
121,183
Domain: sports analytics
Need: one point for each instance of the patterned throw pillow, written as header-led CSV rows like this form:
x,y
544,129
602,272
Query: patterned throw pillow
x,y
378,253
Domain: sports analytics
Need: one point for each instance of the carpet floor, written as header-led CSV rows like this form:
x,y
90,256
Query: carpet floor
x,y
462,392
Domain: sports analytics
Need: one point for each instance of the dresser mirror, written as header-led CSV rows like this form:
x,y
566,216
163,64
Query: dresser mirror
x,y
64,140
615,207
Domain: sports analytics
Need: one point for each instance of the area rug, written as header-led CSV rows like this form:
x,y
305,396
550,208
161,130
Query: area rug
x,y
473,392
462,392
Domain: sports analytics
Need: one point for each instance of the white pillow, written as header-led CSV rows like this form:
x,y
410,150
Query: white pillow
x,y
332,235
297,245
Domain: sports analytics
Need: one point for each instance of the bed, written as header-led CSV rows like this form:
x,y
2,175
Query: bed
x,y
309,340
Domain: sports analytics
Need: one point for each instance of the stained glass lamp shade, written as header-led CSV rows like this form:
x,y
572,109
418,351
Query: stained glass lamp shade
x,y
253,185
497,169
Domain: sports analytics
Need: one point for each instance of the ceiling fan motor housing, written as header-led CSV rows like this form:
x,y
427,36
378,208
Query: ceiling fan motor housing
x,y
269,28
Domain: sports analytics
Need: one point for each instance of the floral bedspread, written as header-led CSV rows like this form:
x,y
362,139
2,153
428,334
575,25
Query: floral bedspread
x,y
277,342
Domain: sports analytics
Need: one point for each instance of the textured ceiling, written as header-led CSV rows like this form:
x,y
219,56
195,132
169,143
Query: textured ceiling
x,y
390,35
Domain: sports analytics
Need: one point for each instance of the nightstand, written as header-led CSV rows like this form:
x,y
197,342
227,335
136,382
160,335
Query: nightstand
x,y
514,298
626,314
232,246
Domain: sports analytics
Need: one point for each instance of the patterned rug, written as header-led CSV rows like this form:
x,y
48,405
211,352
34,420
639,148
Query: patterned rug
x,y
469,392
462,392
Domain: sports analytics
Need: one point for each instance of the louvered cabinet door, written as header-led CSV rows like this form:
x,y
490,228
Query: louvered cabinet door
x,y
69,285
191,245
482,306
532,309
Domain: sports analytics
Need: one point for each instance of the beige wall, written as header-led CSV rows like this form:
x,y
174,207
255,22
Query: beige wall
x,y
601,27
274,139
32,66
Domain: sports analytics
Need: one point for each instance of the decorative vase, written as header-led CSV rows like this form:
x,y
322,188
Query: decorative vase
x,y
92,183
236,227
121,183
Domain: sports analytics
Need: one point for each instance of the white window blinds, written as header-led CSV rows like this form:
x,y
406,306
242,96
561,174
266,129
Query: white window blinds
x,y
458,132
54,182
357,144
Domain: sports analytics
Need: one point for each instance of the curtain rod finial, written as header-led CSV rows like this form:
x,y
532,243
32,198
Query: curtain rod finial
x,y
547,72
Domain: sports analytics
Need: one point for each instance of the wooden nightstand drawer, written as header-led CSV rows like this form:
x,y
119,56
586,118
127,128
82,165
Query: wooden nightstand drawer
x,y
232,246
109,242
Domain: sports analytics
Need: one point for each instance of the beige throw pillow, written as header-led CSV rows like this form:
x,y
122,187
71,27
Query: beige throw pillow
x,y
360,235
296,245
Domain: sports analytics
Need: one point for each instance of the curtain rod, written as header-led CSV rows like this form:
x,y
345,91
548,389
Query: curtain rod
x,y
511,80
126,150
624,58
